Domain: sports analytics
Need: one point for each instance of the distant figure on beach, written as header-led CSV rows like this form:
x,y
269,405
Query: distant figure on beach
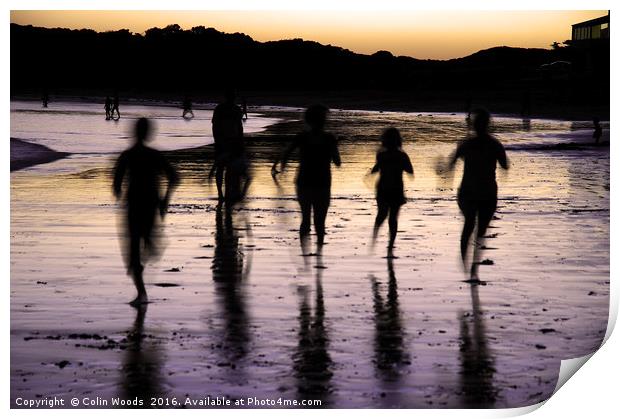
x,y
188,113
228,142
526,103
244,109
115,106
108,108
468,101
317,150
598,130
45,98
477,196
144,167
392,161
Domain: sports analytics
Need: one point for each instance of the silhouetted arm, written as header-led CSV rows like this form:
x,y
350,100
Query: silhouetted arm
x,y
119,173
336,153
173,182
287,153
501,156
458,153
407,167
377,165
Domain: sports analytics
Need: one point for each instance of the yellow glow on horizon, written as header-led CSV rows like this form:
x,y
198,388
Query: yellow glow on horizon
x,y
419,34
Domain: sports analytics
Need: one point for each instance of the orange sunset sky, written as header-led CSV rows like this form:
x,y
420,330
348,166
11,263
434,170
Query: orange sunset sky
x,y
420,34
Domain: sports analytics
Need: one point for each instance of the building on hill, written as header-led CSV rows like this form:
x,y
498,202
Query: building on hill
x,y
594,29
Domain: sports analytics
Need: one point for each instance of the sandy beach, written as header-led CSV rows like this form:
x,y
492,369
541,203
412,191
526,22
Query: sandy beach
x,y
238,313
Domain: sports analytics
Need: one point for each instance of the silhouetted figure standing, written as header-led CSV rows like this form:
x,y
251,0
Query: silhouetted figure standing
x,y
144,167
317,150
526,103
108,108
45,98
188,113
244,109
598,130
468,101
115,108
228,138
392,161
477,196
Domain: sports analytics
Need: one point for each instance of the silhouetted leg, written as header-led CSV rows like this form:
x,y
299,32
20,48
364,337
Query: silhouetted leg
x,y
468,210
382,213
485,215
219,181
305,204
320,207
135,262
393,223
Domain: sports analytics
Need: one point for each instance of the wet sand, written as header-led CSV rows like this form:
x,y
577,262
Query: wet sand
x,y
238,312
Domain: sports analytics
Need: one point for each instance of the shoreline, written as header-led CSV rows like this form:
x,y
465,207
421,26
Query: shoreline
x,y
25,154
354,101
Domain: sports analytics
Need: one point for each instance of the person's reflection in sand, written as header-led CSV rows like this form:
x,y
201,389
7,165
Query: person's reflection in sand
x,y
390,351
141,369
477,364
311,360
228,275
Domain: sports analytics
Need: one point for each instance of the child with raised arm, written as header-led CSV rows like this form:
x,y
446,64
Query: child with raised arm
x,y
392,161
144,167
477,196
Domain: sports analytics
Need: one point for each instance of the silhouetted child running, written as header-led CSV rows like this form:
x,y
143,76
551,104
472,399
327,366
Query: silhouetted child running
x,y
392,161
477,196
317,150
144,167
598,130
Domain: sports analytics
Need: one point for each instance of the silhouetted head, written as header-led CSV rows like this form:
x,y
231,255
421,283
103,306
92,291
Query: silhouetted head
x,y
391,139
143,130
596,120
316,116
482,117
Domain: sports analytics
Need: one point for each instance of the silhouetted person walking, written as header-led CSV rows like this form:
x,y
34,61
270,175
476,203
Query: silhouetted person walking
x,y
598,130
228,137
115,107
108,108
317,150
477,196
144,167
392,161
45,98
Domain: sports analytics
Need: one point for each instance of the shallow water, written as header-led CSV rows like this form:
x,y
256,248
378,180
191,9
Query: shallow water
x,y
250,317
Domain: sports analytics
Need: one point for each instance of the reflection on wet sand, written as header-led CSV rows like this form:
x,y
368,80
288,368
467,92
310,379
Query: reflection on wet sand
x,y
142,363
389,345
477,363
228,275
312,362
